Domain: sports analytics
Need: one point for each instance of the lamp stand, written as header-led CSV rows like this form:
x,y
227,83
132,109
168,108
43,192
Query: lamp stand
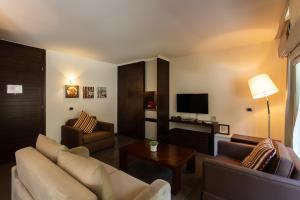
x,y
269,117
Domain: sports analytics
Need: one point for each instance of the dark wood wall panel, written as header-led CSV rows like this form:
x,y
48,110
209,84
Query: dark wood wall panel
x,y
163,76
131,88
22,116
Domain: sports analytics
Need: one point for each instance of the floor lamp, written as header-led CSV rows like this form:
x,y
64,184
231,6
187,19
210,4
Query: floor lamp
x,y
261,86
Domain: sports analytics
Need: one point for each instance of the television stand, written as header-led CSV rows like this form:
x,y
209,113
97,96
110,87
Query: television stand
x,y
203,142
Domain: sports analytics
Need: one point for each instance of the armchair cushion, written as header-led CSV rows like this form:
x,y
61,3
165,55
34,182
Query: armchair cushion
x,y
281,164
98,135
296,171
226,159
236,151
85,122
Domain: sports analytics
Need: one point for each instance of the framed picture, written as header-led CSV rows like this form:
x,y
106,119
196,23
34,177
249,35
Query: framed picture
x,y
224,129
88,92
101,92
71,91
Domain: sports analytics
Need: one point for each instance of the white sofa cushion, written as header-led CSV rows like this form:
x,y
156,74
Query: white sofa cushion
x,y
89,172
49,147
108,168
45,180
157,190
126,187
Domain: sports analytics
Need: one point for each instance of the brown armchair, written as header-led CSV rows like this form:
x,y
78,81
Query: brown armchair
x,y
102,137
226,178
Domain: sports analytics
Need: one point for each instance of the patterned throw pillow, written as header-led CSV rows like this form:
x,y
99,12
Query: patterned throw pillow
x,y
85,123
260,155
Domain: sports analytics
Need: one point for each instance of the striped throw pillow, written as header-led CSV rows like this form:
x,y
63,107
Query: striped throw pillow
x,y
85,123
260,155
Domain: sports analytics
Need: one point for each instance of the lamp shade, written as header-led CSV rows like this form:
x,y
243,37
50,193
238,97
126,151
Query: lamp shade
x,y
262,86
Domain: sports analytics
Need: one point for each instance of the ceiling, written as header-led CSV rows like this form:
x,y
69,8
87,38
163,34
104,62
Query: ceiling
x,y
118,31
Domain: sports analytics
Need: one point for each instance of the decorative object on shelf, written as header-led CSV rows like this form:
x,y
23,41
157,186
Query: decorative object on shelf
x,y
71,91
153,145
262,86
14,89
224,129
101,92
150,100
88,92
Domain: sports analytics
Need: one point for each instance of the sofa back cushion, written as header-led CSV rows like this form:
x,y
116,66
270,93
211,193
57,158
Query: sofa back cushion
x,y
49,147
281,164
89,172
296,171
260,155
45,180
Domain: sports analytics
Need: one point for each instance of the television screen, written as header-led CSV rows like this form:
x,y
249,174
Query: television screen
x,y
192,103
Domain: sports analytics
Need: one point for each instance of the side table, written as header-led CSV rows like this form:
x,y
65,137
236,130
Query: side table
x,y
220,137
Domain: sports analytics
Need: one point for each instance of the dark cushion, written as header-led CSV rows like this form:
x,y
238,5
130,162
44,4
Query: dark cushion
x,y
296,171
281,164
229,160
95,136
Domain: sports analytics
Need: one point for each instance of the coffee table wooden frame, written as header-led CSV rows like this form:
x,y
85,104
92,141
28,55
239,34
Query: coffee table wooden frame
x,y
167,155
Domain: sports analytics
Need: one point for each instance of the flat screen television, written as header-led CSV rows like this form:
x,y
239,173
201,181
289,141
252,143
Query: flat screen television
x,y
192,103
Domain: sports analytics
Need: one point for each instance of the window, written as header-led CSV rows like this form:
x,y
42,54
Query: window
x,y
296,134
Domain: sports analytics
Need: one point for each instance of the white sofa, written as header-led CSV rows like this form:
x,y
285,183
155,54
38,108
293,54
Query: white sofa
x,y
51,171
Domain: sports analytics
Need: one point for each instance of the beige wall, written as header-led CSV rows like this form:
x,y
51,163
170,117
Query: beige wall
x,y
88,73
224,76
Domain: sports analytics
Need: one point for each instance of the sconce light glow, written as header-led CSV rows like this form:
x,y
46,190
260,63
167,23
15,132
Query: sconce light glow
x,y
71,79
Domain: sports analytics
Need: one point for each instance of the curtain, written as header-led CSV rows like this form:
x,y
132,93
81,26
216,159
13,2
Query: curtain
x,y
289,47
291,111
296,132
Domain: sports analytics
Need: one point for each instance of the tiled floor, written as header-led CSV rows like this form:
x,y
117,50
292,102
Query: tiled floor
x,y
148,172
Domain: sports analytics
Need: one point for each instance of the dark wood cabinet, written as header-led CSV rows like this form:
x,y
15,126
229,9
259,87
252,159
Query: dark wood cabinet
x,y
163,87
22,116
131,88
200,141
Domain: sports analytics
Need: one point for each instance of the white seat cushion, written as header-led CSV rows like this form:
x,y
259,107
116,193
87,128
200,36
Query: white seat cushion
x,y
109,169
126,187
89,172
49,147
45,180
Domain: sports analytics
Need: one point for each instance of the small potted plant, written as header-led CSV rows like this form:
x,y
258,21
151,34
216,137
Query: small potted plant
x,y
153,145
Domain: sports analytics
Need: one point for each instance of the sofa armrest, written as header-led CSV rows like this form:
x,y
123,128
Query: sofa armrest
x,y
157,190
71,137
242,183
81,151
238,151
105,126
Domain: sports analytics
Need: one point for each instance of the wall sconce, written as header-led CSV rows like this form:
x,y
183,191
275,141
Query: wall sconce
x,y
71,80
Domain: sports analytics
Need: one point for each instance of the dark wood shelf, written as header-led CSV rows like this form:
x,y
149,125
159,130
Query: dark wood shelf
x,y
210,124
151,109
150,119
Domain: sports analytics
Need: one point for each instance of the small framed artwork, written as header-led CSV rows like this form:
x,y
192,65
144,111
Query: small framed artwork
x,y
71,91
101,92
88,92
224,129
